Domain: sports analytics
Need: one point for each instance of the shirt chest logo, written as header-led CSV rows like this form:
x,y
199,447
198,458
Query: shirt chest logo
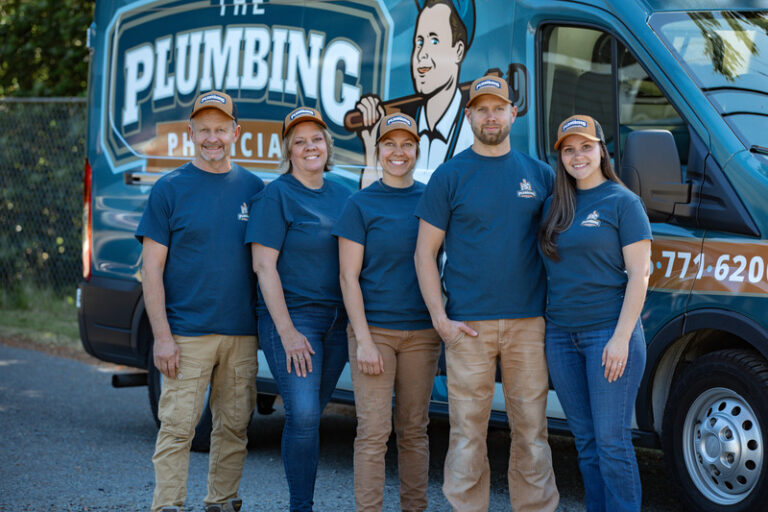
x,y
592,220
243,215
526,191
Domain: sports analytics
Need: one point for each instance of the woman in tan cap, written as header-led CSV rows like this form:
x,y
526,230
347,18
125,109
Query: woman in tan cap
x,y
301,315
392,345
596,243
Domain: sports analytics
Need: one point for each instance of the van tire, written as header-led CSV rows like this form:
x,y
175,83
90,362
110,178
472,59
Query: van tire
x,y
202,440
719,399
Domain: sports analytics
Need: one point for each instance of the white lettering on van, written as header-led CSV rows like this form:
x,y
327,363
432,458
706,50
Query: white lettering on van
x,y
255,51
173,142
138,76
250,145
187,146
344,52
274,146
163,83
218,56
237,5
187,61
280,61
243,146
303,65
279,36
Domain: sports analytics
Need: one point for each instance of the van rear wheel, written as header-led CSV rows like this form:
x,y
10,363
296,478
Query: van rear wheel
x,y
715,432
202,440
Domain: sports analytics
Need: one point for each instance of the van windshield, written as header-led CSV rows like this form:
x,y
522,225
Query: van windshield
x,y
726,53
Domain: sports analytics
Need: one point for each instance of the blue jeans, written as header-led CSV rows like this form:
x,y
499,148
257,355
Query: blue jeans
x,y
599,413
305,398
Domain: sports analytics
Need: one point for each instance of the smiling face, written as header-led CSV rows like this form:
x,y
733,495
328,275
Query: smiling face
x,y
581,158
398,151
308,150
213,134
435,60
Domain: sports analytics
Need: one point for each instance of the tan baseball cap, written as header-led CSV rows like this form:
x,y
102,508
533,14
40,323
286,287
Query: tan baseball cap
x,y
397,121
579,124
301,114
489,84
215,99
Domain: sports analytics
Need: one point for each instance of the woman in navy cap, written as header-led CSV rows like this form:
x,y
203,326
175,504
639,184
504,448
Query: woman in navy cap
x,y
301,315
596,243
392,345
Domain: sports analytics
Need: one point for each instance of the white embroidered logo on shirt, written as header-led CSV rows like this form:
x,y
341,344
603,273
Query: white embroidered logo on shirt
x,y
592,220
243,215
526,190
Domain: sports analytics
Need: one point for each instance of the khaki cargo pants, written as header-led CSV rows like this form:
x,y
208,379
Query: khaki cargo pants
x,y
518,346
229,364
410,365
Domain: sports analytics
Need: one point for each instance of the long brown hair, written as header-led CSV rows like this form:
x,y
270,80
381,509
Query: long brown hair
x,y
561,210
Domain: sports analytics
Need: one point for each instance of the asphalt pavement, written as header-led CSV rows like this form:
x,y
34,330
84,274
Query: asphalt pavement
x,y
71,442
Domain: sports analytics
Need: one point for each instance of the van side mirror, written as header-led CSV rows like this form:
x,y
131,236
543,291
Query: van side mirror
x,y
650,168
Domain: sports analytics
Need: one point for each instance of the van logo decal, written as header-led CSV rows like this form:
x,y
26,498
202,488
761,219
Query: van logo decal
x,y
592,220
526,191
574,122
270,56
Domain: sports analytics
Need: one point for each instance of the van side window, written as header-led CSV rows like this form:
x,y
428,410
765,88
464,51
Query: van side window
x,y
643,106
587,71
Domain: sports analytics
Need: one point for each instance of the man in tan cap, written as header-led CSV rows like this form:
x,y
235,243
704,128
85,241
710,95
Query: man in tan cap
x,y
484,205
198,292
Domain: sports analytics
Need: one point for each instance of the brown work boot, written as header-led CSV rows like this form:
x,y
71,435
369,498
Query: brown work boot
x,y
233,505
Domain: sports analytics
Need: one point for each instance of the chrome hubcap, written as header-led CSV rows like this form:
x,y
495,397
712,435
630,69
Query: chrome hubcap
x,y
722,446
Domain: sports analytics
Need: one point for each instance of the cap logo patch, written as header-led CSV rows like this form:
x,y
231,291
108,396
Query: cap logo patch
x,y
398,120
302,112
574,122
488,83
213,97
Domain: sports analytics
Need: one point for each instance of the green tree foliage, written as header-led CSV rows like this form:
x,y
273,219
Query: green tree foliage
x,y
41,189
43,48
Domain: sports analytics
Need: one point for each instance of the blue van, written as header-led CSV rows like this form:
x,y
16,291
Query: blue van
x,y
680,87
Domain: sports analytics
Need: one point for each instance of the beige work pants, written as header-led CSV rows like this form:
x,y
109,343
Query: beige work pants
x,y
410,365
518,346
229,364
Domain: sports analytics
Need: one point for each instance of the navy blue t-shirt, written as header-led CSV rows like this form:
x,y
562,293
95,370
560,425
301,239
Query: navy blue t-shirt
x,y
297,221
586,287
490,208
201,218
381,218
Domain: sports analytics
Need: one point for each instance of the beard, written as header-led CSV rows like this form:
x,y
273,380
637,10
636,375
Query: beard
x,y
491,139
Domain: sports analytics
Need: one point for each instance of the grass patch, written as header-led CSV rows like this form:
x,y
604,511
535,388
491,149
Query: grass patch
x,y
39,315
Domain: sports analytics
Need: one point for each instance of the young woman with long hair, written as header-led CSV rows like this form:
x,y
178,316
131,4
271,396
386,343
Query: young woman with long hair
x,y
596,244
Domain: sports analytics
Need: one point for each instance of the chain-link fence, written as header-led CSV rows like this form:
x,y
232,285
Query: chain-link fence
x,y
42,150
